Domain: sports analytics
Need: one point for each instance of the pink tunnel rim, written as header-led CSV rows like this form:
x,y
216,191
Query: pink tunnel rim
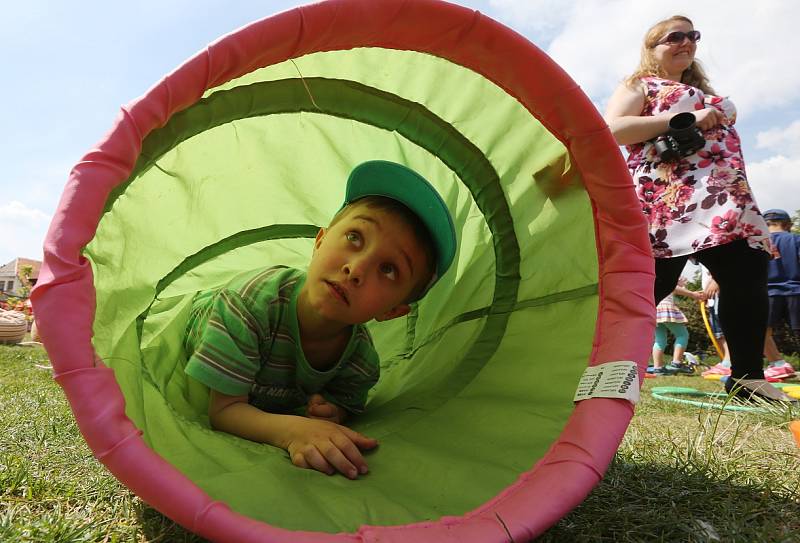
x,y
577,459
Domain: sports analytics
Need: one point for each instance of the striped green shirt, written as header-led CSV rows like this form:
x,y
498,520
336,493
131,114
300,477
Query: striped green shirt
x,y
243,338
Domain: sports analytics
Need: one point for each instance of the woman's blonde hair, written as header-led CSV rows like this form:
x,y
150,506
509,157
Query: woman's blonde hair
x,y
694,75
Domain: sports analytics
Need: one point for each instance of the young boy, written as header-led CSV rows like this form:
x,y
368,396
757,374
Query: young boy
x,y
277,342
783,284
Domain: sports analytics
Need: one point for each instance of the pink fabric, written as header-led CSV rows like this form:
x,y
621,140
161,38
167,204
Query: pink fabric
x,y
64,297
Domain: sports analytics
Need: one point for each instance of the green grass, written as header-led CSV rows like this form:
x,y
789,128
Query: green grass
x,y
51,487
681,474
688,474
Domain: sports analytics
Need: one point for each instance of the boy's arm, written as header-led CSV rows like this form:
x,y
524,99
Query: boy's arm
x,y
313,444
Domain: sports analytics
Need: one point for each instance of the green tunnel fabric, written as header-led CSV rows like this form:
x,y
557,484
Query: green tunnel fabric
x,y
474,388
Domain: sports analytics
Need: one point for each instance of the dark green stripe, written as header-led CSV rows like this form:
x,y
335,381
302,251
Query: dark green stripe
x,y
240,239
574,294
556,297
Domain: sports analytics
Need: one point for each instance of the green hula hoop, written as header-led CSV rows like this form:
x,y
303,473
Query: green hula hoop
x,y
668,394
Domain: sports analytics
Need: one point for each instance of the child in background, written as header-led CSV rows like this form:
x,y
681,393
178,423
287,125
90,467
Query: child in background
x,y
285,353
670,318
711,290
783,285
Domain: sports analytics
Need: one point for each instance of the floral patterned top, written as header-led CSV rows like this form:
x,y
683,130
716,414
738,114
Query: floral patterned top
x,y
702,200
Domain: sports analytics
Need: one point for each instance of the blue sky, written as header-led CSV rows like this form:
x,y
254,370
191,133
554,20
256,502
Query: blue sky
x,y
69,66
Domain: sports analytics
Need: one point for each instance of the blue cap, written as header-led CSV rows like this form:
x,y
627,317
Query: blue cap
x,y
395,181
776,215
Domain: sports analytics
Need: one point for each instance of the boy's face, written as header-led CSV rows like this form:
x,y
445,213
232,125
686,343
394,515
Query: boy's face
x,y
364,267
777,226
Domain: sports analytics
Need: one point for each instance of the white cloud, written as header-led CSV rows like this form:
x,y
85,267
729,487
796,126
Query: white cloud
x,y
775,182
33,189
596,49
748,48
23,231
539,16
781,140
755,53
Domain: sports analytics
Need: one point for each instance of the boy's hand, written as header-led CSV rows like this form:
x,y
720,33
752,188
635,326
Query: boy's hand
x,y
328,447
311,443
320,408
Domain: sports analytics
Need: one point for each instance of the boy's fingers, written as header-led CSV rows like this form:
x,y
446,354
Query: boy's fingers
x,y
349,449
338,460
316,399
314,459
361,441
299,460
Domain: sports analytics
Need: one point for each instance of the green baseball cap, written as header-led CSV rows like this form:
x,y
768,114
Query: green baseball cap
x,y
395,181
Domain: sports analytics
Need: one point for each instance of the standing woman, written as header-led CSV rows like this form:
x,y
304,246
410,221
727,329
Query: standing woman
x,y
698,205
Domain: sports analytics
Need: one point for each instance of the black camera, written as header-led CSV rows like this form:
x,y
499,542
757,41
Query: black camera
x,y
682,139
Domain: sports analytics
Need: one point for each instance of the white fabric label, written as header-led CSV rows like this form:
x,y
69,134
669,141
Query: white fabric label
x,y
610,380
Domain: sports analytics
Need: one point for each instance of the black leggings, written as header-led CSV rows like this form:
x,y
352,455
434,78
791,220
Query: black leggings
x,y
741,273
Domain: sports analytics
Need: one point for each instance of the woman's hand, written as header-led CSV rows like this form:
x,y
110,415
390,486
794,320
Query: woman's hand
x,y
708,118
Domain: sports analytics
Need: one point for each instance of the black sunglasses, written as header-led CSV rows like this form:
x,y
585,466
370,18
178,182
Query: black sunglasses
x,y
678,37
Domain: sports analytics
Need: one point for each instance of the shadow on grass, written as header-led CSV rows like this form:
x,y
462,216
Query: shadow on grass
x,y
735,477
157,527
638,502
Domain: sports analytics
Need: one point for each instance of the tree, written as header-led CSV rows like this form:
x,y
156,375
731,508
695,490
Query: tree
x,y
699,342
25,274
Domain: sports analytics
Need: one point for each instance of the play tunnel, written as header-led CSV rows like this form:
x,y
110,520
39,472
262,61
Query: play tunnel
x,y
233,161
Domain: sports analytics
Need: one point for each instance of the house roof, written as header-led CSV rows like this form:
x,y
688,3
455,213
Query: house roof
x,y
15,266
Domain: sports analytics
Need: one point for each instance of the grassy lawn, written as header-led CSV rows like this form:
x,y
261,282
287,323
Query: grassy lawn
x,y
681,474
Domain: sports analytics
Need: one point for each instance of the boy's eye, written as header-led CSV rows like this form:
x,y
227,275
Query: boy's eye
x,y
353,237
389,271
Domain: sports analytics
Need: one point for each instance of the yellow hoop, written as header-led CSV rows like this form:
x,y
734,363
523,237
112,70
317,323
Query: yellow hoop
x,y
708,328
